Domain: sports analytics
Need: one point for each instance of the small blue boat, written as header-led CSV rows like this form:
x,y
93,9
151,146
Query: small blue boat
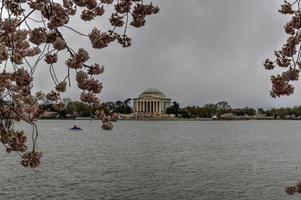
x,y
76,128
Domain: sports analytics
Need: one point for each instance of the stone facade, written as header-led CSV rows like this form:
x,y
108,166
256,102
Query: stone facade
x,y
151,101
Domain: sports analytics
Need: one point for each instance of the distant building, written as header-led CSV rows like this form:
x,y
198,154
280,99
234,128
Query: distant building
x,y
47,114
151,101
227,116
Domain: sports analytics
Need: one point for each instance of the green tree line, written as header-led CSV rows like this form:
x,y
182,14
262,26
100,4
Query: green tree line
x,y
81,109
210,110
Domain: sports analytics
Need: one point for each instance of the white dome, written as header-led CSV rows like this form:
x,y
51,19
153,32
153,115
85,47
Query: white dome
x,y
153,92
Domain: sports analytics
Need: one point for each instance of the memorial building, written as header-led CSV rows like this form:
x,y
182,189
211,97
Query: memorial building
x,y
151,101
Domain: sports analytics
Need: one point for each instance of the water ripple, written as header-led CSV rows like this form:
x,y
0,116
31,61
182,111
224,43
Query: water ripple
x,y
158,160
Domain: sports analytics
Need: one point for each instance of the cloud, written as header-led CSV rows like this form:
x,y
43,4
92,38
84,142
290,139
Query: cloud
x,y
195,52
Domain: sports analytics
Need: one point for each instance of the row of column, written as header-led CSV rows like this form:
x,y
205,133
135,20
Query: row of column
x,y
148,106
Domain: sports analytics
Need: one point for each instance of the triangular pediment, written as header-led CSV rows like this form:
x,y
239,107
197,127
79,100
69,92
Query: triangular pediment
x,y
149,98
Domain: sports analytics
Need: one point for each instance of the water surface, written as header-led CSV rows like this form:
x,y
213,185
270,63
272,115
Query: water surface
x,y
159,160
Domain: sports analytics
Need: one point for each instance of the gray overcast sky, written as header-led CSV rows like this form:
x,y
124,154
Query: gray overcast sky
x,y
196,52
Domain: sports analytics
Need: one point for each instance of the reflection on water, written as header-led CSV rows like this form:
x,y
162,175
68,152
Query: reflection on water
x,y
154,160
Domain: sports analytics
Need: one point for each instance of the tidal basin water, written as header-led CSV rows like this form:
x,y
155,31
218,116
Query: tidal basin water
x,y
159,160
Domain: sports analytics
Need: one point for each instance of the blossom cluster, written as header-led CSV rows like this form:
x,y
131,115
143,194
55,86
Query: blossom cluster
x,y
293,189
107,120
16,104
32,30
288,58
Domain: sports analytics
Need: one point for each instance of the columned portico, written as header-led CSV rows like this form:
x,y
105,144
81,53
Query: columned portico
x,y
150,106
151,101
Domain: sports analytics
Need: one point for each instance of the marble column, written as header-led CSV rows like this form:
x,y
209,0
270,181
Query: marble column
x,y
154,107
148,106
160,107
136,106
140,109
139,106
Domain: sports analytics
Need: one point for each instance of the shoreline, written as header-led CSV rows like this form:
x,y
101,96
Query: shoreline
x,y
179,119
